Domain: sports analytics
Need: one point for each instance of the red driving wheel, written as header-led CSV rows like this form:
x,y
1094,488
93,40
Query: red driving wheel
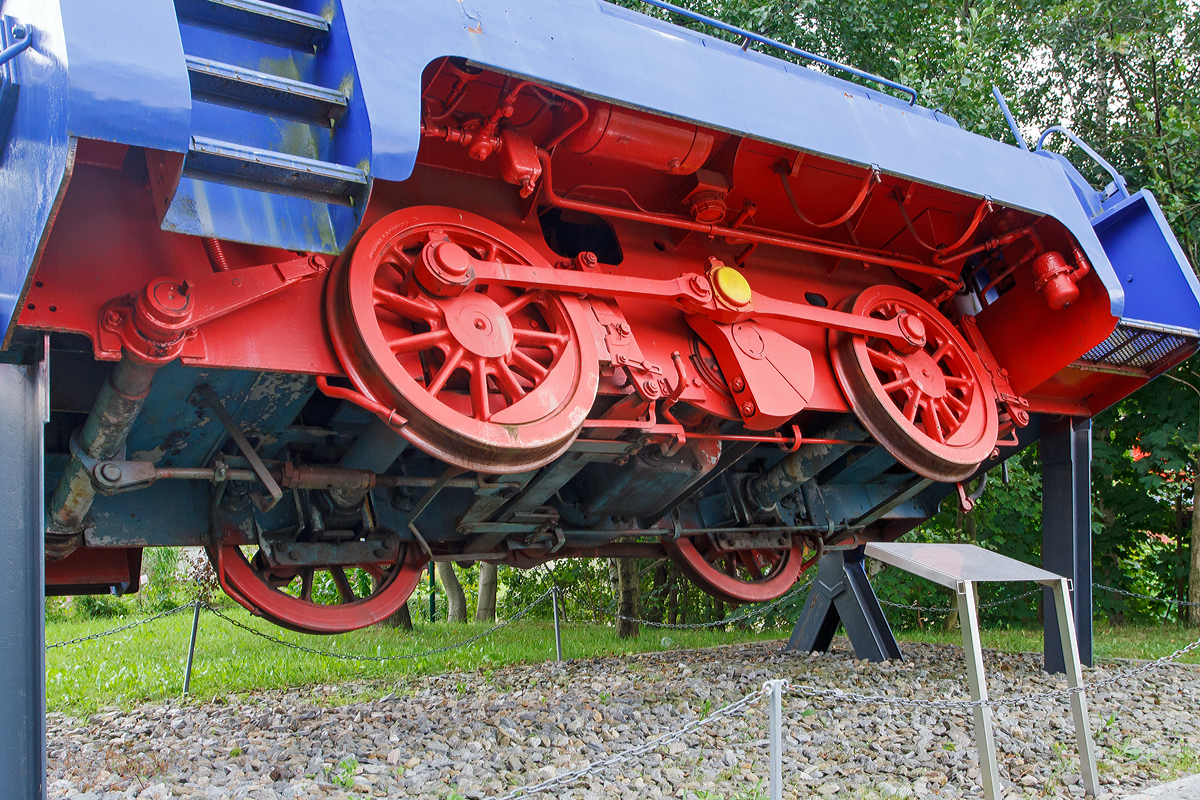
x,y
285,596
931,409
738,576
492,378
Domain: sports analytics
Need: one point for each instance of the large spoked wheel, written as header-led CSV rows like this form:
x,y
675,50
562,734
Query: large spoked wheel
x,y
302,599
738,576
931,409
494,379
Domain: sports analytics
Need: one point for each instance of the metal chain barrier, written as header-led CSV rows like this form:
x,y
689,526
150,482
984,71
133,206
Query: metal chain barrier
x,y
402,657
947,610
634,752
135,624
1166,600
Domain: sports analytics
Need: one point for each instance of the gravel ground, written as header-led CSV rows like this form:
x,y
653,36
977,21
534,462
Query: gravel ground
x,y
480,734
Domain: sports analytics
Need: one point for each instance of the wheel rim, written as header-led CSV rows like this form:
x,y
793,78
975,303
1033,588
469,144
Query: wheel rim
x,y
264,587
738,576
930,409
493,379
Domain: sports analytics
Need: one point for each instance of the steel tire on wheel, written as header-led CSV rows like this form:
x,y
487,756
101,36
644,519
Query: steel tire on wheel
x,y
394,584
777,570
933,410
494,379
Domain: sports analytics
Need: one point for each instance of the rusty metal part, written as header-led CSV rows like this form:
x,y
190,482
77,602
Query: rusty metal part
x,y
379,547
101,438
208,399
767,489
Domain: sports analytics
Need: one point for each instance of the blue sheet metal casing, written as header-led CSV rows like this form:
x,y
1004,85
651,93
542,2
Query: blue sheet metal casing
x,y
377,51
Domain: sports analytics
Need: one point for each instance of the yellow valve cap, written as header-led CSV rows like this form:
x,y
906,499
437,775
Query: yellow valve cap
x,y
731,286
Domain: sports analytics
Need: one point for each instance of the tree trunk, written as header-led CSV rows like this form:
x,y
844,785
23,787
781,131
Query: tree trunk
x,y
456,601
627,597
485,608
656,608
400,618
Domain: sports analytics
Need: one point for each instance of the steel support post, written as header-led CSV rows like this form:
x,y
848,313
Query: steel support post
x,y
1070,655
985,742
842,594
557,632
24,398
1066,451
187,671
775,719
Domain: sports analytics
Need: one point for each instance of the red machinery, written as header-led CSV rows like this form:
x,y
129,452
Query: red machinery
x,y
578,329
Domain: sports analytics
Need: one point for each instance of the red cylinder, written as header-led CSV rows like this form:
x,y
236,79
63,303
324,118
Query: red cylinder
x,y
638,138
1052,278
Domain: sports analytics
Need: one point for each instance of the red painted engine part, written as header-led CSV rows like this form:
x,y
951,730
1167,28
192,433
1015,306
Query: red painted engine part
x,y
934,408
499,380
634,137
95,570
1055,280
738,576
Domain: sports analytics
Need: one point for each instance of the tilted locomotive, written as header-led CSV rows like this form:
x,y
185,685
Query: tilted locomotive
x,y
337,288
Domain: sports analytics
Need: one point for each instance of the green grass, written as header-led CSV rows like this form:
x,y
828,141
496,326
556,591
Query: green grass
x,y
146,663
1126,641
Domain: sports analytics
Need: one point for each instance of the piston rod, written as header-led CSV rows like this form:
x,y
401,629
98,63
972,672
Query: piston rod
x,y
101,438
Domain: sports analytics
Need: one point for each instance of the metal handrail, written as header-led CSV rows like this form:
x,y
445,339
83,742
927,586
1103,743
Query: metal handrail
x,y
1117,177
754,37
21,34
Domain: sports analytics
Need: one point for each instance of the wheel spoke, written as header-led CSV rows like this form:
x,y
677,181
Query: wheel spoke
x,y
420,341
885,361
342,583
941,352
509,386
896,385
955,405
930,421
910,408
747,559
954,380
306,584
518,303
418,309
542,338
448,366
479,391
532,369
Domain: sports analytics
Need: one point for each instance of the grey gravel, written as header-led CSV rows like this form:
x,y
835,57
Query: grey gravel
x,y
479,734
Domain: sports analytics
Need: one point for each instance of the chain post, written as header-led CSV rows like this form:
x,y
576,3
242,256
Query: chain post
x,y
774,689
557,631
187,672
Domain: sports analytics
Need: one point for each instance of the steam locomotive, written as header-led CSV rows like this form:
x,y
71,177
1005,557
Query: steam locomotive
x,y
334,289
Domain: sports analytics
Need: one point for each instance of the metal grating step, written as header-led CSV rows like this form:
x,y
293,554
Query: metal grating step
x,y
278,173
226,84
1137,349
254,19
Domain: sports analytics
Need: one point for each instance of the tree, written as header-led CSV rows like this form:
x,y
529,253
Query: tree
x,y
485,606
456,601
628,591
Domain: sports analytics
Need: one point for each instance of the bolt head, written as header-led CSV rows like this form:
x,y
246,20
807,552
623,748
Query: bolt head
x,y
748,409
739,385
110,472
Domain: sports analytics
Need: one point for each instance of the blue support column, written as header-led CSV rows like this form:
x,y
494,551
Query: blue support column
x,y
23,397
1066,451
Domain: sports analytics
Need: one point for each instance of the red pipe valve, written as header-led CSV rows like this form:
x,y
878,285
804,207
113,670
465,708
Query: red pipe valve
x,y
1055,280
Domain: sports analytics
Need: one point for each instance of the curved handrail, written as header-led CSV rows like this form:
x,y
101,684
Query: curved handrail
x,y
1117,177
23,40
754,37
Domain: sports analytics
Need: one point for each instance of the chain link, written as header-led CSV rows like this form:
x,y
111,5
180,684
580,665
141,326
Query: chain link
x,y
945,610
136,623
1166,600
381,659
634,752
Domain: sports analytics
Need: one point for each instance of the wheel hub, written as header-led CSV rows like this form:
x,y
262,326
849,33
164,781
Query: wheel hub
x,y
478,325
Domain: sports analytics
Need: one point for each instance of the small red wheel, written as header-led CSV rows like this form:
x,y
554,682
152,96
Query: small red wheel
x,y
931,409
492,379
738,576
285,596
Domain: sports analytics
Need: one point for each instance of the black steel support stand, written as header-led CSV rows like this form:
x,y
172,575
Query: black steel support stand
x,y
22,581
842,594
1066,452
